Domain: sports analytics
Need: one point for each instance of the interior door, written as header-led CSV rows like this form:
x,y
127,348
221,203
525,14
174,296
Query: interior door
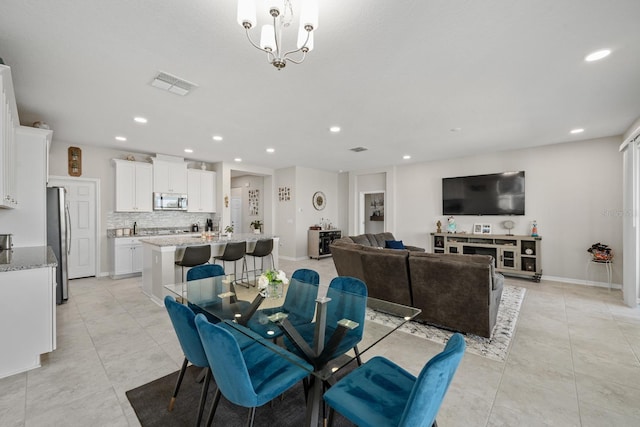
x,y
81,203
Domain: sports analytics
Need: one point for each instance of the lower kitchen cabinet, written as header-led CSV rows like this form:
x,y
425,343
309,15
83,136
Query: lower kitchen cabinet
x,y
126,257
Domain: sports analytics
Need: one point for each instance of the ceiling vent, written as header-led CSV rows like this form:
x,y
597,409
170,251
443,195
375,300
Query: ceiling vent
x,y
358,149
172,84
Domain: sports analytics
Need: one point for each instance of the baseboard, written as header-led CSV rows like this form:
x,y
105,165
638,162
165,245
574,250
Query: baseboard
x,y
287,258
581,282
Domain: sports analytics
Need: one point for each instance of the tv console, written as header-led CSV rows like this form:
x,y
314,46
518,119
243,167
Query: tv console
x,y
514,255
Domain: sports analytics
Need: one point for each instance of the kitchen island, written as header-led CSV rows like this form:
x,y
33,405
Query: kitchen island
x,y
28,316
161,253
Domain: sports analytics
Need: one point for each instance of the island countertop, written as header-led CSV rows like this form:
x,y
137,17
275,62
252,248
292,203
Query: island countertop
x,y
180,241
27,258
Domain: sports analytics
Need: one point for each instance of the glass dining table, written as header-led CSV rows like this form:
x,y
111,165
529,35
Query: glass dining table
x,y
264,317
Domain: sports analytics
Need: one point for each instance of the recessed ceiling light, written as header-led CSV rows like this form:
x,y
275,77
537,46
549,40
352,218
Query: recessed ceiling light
x,y
455,129
406,157
335,129
271,150
188,150
217,138
574,131
120,138
237,159
594,56
140,120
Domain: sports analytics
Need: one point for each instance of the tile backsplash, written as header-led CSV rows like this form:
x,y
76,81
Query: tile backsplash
x,y
157,219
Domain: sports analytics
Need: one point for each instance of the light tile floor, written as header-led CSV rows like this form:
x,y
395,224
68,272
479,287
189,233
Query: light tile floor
x,y
574,360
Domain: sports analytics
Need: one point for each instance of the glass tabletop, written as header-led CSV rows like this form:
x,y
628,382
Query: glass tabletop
x,y
260,317
316,327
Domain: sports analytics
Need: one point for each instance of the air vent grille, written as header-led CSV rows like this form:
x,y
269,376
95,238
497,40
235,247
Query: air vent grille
x,y
172,84
358,149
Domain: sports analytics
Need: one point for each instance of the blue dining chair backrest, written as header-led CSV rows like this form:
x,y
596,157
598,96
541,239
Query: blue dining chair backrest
x,y
204,271
432,384
182,318
254,375
348,300
226,361
301,300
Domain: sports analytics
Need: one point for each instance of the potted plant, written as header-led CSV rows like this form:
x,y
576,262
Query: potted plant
x,y
257,226
229,230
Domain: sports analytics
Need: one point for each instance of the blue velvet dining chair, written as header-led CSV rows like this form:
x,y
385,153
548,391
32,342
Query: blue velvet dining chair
x,y
249,377
213,270
348,301
299,304
204,271
382,394
182,318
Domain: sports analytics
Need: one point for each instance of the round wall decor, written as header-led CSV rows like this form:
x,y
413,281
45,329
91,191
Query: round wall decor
x,y
319,200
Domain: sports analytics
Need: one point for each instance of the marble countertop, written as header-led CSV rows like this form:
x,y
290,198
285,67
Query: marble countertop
x,y
180,241
27,258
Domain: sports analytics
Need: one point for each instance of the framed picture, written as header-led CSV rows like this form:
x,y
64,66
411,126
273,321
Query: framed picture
x,y
486,228
477,228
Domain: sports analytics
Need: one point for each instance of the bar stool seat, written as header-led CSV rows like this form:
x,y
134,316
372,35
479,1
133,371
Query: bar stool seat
x,y
262,249
233,252
193,256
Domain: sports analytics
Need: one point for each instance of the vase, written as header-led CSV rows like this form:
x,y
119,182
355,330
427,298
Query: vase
x,y
275,289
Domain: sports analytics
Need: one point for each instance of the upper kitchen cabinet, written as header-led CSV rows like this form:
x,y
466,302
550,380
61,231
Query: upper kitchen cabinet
x,y
169,175
134,186
202,190
8,123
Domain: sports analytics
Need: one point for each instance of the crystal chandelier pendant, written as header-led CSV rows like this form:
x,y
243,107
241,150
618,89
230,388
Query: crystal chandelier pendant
x,y
282,15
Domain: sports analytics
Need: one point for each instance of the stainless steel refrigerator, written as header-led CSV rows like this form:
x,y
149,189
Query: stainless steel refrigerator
x,y
58,237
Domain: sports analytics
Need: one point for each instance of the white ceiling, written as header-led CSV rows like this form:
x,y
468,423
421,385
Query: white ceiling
x,y
397,76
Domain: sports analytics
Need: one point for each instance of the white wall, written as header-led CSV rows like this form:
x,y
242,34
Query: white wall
x,y
246,183
573,190
285,212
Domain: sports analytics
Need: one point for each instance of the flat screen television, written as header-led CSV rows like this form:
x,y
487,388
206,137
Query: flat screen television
x,y
492,194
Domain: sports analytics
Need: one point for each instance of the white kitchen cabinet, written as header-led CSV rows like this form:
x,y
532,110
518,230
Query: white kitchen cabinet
x,y
126,257
201,191
8,123
134,191
169,176
29,319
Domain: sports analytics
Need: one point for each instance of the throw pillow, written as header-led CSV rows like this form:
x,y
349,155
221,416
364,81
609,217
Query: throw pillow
x,y
394,244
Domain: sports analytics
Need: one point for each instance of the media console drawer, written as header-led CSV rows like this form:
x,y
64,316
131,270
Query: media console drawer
x,y
514,255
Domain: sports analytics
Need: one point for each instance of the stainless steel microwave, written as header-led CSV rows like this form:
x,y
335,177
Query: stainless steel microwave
x,y
169,202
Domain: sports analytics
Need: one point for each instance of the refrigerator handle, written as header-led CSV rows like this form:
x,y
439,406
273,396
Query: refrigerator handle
x,y
68,221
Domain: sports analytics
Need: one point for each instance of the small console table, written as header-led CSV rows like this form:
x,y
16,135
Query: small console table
x,y
514,255
319,241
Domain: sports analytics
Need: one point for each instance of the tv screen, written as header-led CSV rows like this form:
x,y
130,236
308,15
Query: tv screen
x,y
493,194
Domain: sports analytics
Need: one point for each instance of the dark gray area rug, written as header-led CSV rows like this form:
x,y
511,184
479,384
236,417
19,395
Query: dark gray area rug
x,y
150,402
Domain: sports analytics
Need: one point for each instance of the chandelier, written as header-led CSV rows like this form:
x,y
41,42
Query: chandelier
x,y
281,11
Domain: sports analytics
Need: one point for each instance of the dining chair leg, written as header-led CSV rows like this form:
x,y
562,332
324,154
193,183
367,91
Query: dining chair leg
x,y
177,387
252,416
357,352
330,417
203,395
214,406
435,424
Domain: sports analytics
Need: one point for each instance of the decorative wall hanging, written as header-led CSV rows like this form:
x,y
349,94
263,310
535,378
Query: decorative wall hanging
x,y
75,161
284,194
254,202
319,200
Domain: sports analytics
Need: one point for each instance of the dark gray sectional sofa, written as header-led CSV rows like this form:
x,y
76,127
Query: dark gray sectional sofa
x,y
458,292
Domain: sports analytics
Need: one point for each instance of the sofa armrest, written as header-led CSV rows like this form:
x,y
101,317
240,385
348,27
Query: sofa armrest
x,y
414,248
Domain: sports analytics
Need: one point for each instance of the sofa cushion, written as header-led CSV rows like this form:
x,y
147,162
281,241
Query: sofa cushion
x,y
394,244
361,240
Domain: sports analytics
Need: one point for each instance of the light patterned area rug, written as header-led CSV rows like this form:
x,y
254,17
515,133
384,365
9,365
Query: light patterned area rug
x,y
495,348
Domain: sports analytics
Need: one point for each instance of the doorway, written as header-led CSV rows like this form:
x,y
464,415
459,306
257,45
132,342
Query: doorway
x,y
372,212
83,203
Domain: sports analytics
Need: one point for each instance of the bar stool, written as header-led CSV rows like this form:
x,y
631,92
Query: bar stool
x,y
194,255
262,249
233,252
